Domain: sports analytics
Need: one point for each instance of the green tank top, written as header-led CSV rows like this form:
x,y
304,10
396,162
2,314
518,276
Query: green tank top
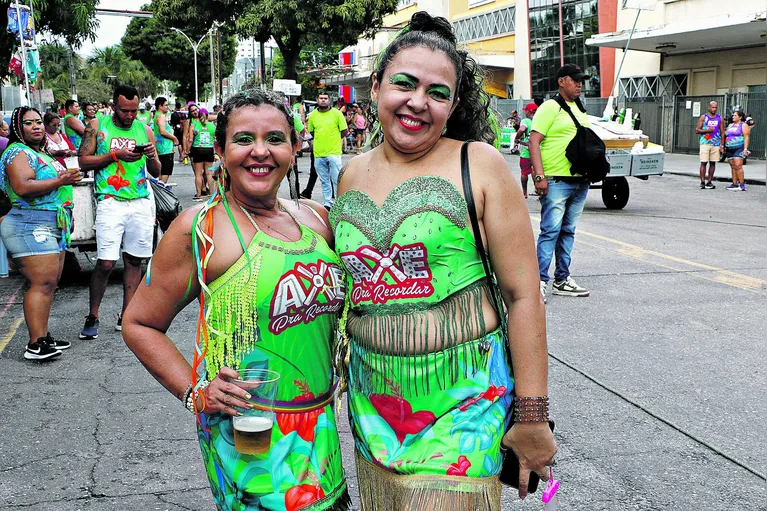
x,y
277,308
205,134
410,263
164,145
72,134
121,180
144,118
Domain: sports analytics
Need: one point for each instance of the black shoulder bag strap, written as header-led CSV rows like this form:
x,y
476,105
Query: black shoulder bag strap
x,y
561,102
471,206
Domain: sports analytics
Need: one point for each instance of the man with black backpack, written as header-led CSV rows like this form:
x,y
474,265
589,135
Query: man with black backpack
x,y
562,192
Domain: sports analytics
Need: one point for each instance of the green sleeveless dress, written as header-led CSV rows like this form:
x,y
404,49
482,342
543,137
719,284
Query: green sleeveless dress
x,y
277,308
427,420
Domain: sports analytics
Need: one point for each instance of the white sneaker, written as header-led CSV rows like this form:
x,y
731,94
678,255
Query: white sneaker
x,y
569,287
543,291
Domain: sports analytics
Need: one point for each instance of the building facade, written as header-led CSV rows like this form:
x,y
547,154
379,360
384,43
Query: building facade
x,y
689,47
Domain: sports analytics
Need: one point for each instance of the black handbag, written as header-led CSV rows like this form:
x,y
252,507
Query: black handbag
x,y
168,205
510,468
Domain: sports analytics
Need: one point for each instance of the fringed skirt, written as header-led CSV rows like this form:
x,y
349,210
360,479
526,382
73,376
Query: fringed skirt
x,y
436,450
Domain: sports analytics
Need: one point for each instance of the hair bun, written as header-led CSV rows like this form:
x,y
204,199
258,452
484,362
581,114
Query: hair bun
x,y
422,21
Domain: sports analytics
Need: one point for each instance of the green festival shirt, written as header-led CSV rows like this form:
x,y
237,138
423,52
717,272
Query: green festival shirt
x,y
326,127
164,145
204,135
72,134
144,118
121,180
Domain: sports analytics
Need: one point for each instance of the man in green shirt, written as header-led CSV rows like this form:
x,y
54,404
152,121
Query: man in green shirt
x,y
328,127
121,151
562,194
143,116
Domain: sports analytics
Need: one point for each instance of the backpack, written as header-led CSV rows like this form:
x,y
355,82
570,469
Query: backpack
x,y
586,151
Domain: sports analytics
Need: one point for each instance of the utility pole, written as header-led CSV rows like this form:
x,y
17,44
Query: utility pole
x,y
220,66
263,65
212,68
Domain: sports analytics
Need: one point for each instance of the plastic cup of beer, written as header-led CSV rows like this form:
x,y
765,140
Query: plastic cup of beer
x,y
72,163
253,429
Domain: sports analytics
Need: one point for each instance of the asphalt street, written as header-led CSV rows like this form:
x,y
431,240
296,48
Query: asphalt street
x,y
657,380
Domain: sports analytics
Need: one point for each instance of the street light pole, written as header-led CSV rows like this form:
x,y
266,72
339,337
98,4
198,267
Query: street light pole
x,y
194,48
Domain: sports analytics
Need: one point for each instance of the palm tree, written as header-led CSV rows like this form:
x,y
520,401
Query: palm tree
x,y
113,66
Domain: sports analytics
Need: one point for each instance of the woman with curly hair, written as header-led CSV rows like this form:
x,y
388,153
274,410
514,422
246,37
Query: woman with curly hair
x,y
270,291
430,390
36,230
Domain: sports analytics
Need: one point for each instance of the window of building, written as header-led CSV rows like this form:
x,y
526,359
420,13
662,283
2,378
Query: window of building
x,y
405,3
579,22
485,25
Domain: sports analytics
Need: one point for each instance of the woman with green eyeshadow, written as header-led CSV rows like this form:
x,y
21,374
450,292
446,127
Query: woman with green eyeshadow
x,y
430,388
270,290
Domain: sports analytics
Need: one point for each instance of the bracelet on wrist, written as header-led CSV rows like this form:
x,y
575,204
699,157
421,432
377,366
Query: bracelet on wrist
x,y
191,394
531,409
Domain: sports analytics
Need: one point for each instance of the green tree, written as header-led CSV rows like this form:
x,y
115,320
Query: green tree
x,y
55,74
168,54
111,65
74,21
292,23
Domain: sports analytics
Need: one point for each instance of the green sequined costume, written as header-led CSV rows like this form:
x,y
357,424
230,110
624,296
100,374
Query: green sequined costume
x,y
429,386
277,308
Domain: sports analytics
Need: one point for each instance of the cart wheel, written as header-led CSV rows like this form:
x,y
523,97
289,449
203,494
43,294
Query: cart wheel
x,y
615,192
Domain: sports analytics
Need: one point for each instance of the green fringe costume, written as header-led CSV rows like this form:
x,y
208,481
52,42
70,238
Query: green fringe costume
x,y
276,308
428,405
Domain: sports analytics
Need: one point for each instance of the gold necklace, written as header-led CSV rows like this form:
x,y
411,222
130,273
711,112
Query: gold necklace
x,y
255,226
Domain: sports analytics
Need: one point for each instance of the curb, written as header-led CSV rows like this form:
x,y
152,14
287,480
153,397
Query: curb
x,y
720,179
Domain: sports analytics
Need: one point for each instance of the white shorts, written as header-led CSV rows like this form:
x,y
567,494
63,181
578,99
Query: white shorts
x,y
127,223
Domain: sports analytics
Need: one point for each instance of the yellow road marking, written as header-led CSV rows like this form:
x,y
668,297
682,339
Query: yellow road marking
x,y
15,326
720,275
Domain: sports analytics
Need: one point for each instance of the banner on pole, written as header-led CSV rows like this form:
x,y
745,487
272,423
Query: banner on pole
x,y
23,26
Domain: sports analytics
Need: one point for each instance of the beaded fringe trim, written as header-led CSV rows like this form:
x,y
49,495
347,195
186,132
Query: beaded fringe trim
x,y
381,490
401,339
235,331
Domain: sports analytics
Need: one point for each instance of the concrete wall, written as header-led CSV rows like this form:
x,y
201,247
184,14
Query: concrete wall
x,y
639,63
721,71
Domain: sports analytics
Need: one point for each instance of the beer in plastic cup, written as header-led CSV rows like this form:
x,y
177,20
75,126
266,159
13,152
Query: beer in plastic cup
x,y
253,430
72,163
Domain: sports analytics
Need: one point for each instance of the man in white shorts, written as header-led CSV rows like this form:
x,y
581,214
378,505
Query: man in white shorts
x,y
120,151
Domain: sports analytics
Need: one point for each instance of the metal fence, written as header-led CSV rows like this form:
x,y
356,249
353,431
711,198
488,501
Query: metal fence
x,y
753,103
668,121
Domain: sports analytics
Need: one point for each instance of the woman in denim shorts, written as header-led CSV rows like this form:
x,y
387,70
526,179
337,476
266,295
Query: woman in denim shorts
x,y
36,230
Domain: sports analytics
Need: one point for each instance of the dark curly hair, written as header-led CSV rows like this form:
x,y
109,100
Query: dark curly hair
x,y
252,97
16,129
472,119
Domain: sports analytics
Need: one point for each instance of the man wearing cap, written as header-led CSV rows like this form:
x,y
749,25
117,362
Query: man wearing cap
x,y
522,138
562,194
143,116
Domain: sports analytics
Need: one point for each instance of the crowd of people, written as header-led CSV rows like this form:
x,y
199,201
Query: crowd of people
x,y
415,286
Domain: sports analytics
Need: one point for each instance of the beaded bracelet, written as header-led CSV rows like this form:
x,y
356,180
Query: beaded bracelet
x,y
190,398
531,409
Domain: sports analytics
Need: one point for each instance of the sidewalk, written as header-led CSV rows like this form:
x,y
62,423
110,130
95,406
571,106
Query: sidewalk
x,y
688,165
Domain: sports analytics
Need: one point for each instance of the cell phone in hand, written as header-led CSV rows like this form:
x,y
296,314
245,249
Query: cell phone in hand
x,y
140,148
